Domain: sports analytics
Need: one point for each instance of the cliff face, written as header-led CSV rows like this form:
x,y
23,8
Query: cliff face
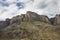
x,y
29,17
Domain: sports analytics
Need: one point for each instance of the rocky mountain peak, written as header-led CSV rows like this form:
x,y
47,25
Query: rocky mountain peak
x,y
33,13
29,17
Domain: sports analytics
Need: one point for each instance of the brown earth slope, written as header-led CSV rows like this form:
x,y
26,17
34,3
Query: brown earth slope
x,y
31,31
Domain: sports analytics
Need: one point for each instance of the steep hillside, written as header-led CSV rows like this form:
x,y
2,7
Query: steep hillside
x,y
31,31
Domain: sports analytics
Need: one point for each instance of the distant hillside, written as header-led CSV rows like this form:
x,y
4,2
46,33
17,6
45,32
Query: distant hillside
x,y
30,26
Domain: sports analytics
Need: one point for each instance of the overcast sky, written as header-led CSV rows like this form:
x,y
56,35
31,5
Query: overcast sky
x,y
10,8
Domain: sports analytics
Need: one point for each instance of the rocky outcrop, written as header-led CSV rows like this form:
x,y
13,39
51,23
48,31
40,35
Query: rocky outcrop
x,y
31,16
15,20
44,18
28,17
53,21
57,19
3,24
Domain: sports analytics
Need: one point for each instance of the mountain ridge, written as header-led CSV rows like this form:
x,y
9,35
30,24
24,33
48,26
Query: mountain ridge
x,y
32,16
30,26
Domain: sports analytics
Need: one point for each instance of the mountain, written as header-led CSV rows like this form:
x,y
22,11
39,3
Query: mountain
x,y
30,16
30,26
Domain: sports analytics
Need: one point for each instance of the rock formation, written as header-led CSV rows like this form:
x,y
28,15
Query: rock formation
x,y
29,17
53,21
3,24
57,19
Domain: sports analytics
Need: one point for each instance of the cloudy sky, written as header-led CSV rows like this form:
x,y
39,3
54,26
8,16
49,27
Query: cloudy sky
x,y
10,8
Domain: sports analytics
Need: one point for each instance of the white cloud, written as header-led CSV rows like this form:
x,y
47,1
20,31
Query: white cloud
x,y
45,7
11,11
11,1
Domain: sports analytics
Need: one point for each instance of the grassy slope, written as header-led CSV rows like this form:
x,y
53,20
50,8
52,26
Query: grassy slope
x,y
31,31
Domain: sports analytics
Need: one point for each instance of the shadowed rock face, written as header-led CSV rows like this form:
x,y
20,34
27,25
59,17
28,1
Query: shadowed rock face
x,y
3,24
53,21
